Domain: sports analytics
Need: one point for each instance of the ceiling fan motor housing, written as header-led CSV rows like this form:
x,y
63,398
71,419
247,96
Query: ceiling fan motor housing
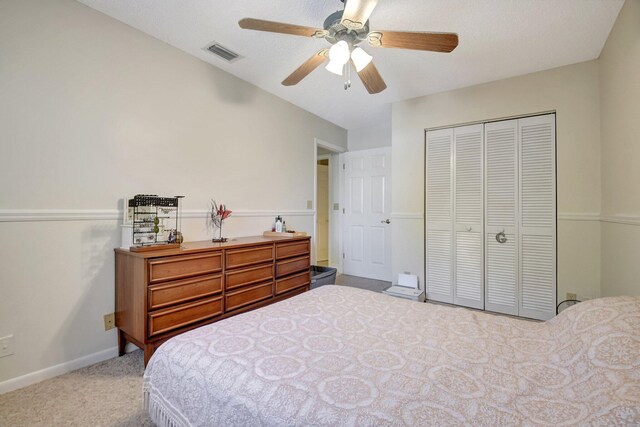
x,y
337,31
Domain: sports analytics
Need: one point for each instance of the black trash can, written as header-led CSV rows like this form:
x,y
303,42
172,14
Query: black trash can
x,y
321,276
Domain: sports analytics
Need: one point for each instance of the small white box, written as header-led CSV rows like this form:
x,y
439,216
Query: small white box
x,y
412,294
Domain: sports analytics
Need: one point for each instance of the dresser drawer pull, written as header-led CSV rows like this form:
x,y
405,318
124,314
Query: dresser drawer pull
x,y
172,318
248,296
297,281
172,293
293,265
177,267
247,276
242,257
288,250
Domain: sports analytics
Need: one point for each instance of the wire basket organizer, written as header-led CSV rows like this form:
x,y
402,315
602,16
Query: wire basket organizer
x,y
155,220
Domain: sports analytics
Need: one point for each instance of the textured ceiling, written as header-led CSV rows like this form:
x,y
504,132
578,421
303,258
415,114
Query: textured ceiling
x,y
498,39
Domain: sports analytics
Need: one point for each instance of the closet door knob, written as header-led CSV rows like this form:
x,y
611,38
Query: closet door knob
x,y
386,221
501,238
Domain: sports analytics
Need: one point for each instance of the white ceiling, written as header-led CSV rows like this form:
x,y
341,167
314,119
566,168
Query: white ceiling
x,y
498,39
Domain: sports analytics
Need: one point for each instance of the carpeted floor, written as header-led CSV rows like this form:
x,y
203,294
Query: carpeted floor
x,y
104,394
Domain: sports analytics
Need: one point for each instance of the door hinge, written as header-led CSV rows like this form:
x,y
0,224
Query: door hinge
x,y
342,255
342,210
343,167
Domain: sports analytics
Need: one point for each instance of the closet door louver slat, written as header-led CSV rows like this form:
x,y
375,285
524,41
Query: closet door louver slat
x,y
501,185
439,210
501,289
468,213
538,207
468,260
439,265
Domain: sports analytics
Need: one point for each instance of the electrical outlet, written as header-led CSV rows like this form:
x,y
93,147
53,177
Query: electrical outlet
x,y
6,346
571,295
109,321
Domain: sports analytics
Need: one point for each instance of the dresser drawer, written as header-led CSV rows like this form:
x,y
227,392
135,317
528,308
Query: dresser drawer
x,y
247,276
177,267
292,266
180,291
296,281
291,249
175,317
241,257
248,296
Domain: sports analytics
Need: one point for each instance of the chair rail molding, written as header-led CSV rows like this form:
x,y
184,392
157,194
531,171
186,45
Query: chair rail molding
x,y
407,215
609,218
570,216
621,219
31,215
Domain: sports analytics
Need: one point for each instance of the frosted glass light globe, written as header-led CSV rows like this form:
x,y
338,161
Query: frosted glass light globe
x,y
360,58
339,52
335,67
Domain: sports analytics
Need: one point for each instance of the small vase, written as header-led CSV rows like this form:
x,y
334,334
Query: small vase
x,y
220,239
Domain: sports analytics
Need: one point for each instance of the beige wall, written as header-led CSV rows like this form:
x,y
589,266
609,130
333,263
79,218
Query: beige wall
x,y
92,110
571,91
620,121
375,136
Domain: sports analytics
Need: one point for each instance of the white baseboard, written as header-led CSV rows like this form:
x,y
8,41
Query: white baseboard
x,y
62,368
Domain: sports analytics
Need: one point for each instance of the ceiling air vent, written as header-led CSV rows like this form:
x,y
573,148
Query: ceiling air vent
x,y
223,52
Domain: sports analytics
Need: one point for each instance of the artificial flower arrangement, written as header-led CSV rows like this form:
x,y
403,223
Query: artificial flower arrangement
x,y
218,214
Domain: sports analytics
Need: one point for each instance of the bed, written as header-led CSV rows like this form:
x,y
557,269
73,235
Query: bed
x,y
344,356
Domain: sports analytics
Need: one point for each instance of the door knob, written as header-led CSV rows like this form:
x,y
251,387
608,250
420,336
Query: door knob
x,y
501,238
386,221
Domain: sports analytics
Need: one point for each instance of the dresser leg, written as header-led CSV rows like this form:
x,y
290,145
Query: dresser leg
x,y
148,352
122,342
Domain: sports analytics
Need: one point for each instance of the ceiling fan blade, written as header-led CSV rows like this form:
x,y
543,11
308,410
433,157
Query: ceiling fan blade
x,y
357,12
372,79
280,27
306,68
437,42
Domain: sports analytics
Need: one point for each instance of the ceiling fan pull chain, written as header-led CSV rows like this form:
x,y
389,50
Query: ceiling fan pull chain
x,y
347,84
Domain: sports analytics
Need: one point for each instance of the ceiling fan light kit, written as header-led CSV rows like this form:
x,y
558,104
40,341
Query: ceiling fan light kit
x,y
347,28
339,52
335,67
360,58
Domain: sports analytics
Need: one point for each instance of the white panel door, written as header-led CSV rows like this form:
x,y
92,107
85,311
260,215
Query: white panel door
x,y
367,248
468,208
439,209
538,217
501,219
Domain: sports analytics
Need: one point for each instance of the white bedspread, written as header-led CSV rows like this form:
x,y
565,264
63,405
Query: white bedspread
x,y
342,356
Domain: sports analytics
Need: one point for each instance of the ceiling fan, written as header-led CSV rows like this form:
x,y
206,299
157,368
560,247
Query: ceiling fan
x,y
345,29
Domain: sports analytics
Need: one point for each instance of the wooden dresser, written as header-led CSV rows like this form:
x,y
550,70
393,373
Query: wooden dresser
x,y
163,293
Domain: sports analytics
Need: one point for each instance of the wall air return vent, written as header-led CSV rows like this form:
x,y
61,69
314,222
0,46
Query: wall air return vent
x,y
224,53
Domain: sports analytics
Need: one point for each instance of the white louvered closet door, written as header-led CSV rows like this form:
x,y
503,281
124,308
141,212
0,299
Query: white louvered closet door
x,y
501,221
468,207
439,209
538,217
